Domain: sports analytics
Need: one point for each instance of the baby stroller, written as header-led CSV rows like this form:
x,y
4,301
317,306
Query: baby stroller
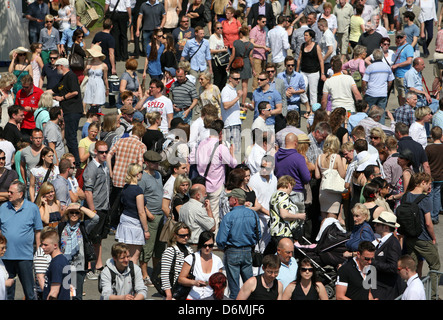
x,y
326,256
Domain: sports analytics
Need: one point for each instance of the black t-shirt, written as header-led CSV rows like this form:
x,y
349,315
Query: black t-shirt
x,y
14,135
69,83
349,274
107,42
150,137
417,150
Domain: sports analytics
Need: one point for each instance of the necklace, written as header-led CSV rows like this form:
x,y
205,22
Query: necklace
x,y
266,285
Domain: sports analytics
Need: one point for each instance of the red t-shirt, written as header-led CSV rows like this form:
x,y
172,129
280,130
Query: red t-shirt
x,y
28,101
230,32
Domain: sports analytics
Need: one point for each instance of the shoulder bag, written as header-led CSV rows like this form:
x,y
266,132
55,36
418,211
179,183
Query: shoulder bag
x,y
238,62
331,180
180,292
202,179
257,256
76,61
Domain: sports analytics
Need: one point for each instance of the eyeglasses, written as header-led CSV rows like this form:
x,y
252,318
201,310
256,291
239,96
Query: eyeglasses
x,y
262,79
368,259
399,37
304,269
182,235
50,192
385,44
206,245
103,152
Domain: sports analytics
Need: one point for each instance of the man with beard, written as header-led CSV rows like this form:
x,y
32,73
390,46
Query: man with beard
x,y
67,93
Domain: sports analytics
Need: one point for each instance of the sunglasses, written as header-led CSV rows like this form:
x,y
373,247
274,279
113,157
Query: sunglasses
x,y
53,58
103,152
236,78
261,79
290,65
368,259
183,235
210,246
304,269
21,54
50,21
220,28
374,138
3,158
74,212
270,71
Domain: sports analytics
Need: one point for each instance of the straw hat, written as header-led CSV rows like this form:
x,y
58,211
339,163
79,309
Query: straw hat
x,y
303,138
21,50
387,218
96,52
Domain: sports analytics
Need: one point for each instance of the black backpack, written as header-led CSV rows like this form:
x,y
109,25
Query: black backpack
x,y
113,275
409,217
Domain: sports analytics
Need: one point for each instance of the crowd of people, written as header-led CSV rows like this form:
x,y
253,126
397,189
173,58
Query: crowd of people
x,y
173,172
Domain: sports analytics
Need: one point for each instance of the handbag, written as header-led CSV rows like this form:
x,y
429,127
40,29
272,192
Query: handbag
x,y
222,59
168,229
76,61
87,245
91,16
156,275
202,179
179,291
331,180
238,62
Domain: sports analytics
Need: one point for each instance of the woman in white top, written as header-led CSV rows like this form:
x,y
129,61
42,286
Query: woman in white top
x,y
4,276
36,63
38,173
388,53
209,93
205,264
64,16
417,130
7,81
331,18
217,46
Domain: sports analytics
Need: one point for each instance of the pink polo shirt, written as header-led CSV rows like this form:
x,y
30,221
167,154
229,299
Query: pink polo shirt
x,y
259,37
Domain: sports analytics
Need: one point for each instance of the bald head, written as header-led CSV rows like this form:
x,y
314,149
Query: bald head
x,y
285,244
291,141
285,250
197,191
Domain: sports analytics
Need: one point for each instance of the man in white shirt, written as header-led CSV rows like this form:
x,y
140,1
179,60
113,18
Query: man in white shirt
x,y
230,111
156,101
278,41
264,110
328,44
407,268
121,17
264,184
264,140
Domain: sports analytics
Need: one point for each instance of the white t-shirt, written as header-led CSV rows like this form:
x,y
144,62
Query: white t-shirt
x,y
198,293
162,105
231,117
340,89
327,40
168,188
418,133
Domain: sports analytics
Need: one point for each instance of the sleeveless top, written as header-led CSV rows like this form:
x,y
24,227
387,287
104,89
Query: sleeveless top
x,y
310,62
262,293
298,293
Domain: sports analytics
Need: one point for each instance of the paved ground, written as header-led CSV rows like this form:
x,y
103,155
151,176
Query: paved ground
x,y
90,287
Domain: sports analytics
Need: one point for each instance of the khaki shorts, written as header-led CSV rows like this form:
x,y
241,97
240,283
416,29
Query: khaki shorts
x,y
399,85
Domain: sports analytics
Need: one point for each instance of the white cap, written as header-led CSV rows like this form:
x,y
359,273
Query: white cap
x,y
62,62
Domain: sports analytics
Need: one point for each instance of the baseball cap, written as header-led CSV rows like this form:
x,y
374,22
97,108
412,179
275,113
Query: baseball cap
x,y
62,62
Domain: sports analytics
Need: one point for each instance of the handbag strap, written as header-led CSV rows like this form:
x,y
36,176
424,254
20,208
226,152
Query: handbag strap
x,y
201,43
210,159
331,161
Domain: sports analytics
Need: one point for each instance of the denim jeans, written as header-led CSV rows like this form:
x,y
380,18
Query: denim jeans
x,y
71,127
238,262
378,101
436,199
180,115
24,270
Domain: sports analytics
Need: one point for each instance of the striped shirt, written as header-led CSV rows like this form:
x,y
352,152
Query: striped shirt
x,y
166,265
126,151
183,94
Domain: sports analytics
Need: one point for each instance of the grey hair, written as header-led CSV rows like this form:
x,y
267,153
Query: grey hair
x,y
375,112
377,54
21,187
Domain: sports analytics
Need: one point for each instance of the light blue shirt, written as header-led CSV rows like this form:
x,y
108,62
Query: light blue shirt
x,y
377,76
203,55
437,119
272,96
296,81
19,226
355,119
413,79
67,37
287,273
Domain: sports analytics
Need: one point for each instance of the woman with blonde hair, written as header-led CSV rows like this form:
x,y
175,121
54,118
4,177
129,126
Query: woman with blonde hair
x,y
153,138
50,208
176,252
362,231
133,227
111,122
417,130
41,115
330,202
377,136
209,93
7,81
182,185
